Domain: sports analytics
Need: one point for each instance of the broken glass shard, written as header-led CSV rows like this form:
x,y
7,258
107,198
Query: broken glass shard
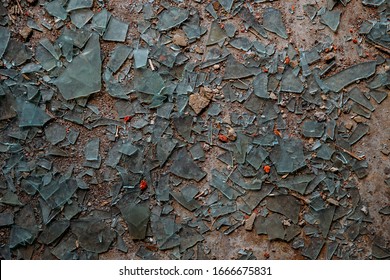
x,y
20,236
216,34
374,3
164,149
118,57
219,181
189,237
286,205
92,234
92,149
273,22
298,183
184,167
137,218
80,17
6,219
256,157
78,4
197,152
288,155
56,9
331,19
55,133
310,11
53,231
385,210
4,39
236,70
17,53
290,82
378,96
356,95
82,77
116,30
352,74
251,21
260,85
32,115
140,57
99,21
241,43
313,129
171,17
313,249
274,227
186,197
148,81
360,130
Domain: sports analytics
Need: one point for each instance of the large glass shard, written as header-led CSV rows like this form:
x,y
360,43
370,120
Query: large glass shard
x,y
55,133
7,107
164,149
137,218
45,58
219,181
162,188
286,205
80,17
226,4
185,167
313,129
118,57
82,77
241,43
274,227
352,74
17,53
165,229
256,157
216,34
360,130
93,234
4,39
273,22
99,21
63,194
32,115
260,85
56,9
78,4
148,81
20,236
324,219
298,183
374,3
6,219
53,231
91,150
189,237
186,197
288,155
183,125
140,57
310,11
236,70
356,95
313,249
64,250
251,21
379,35
378,96
290,82
331,19
171,17
116,30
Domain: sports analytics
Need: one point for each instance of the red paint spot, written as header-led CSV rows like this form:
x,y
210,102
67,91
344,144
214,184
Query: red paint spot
x,y
223,138
143,185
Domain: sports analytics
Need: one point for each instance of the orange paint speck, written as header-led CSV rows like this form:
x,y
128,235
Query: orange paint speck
x,y
267,168
223,138
143,185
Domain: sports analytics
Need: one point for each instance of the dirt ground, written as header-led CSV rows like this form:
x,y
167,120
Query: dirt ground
x,y
303,34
